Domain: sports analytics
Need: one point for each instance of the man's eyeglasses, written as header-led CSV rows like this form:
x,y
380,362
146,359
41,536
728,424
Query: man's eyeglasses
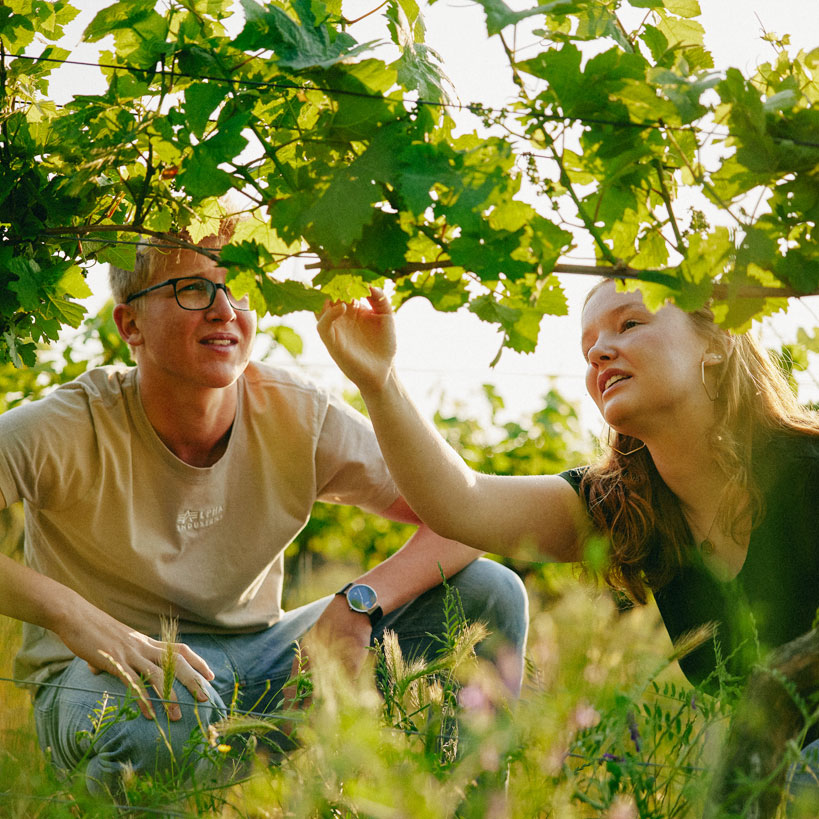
x,y
195,293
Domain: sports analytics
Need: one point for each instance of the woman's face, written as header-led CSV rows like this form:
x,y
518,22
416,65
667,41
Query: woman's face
x,y
643,368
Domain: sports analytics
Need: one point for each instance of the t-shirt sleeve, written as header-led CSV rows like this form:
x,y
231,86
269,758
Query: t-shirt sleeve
x,y
45,450
349,466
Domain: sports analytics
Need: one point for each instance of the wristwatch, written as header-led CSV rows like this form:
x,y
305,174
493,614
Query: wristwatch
x,y
363,599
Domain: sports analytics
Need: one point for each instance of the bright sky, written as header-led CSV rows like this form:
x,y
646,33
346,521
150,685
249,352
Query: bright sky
x,y
449,354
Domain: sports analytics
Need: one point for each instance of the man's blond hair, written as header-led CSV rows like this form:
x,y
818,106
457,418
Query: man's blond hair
x,y
152,252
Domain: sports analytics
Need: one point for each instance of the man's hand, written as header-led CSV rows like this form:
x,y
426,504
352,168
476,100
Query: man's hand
x,y
138,661
340,633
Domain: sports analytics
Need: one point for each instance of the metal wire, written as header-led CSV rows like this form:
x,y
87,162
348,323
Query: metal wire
x,y
473,107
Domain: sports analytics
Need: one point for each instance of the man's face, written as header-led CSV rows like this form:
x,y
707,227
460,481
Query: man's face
x,y
190,348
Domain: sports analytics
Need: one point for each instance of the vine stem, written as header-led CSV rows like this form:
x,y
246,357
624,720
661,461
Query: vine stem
x,y
83,230
616,272
366,14
667,200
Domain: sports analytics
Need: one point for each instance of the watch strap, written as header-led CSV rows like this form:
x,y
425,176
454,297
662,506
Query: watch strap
x,y
375,613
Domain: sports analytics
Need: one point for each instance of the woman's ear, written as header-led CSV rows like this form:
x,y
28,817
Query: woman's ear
x,y
719,350
709,359
126,319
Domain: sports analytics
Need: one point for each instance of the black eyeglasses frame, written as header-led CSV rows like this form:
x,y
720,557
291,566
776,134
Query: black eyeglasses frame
x,y
214,287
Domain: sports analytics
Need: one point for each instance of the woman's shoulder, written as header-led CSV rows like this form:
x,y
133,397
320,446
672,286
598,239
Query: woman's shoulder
x,y
574,476
783,447
786,463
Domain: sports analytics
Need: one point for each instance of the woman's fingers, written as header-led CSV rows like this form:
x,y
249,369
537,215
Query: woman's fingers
x,y
378,301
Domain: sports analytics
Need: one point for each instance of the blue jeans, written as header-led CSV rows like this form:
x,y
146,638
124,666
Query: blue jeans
x,y
803,783
250,671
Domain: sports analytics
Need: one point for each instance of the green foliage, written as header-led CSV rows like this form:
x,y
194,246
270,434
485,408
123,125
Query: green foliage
x,y
340,168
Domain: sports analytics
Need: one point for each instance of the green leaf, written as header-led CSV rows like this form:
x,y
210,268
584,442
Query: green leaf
x,y
681,32
346,286
201,100
337,218
551,299
489,255
653,251
443,292
499,15
203,178
799,270
287,338
297,45
123,256
72,283
27,284
123,15
489,310
683,8
289,297
67,312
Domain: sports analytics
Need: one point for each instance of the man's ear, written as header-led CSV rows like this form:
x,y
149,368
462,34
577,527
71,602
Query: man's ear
x,y
126,319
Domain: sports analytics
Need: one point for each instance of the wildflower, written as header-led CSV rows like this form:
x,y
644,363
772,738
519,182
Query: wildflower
x,y
222,748
634,731
585,716
127,774
473,697
623,807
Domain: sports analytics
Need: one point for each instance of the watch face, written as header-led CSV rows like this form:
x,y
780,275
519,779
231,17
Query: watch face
x,y
361,597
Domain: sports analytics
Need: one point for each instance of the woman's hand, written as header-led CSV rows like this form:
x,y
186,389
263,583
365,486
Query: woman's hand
x,y
135,659
361,339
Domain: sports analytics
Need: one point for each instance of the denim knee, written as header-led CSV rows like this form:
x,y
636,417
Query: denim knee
x,y
156,747
91,725
803,783
495,595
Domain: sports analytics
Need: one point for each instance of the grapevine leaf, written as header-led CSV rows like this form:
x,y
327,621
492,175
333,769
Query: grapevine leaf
x,y
123,256
201,100
297,45
283,297
499,15
443,293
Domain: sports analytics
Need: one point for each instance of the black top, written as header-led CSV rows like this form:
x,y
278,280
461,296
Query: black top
x,y
774,597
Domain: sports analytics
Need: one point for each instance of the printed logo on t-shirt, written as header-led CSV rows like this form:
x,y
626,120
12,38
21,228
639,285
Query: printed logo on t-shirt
x,y
192,519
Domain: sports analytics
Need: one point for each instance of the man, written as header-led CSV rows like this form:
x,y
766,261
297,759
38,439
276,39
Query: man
x,y
170,491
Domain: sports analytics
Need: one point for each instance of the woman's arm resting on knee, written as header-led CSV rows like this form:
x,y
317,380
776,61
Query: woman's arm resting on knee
x,y
537,517
94,636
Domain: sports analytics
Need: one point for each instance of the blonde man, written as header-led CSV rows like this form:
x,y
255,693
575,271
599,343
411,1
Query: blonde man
x,y
172,489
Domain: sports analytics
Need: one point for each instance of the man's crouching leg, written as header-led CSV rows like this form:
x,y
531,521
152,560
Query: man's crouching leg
x,y
90,722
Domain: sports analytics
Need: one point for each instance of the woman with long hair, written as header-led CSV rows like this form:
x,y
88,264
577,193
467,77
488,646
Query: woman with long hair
x,y
708,493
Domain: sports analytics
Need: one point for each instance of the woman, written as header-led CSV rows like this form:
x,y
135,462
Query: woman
x,y
709,494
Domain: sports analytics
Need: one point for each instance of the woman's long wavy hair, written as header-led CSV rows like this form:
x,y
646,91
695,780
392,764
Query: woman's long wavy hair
x,y
630,503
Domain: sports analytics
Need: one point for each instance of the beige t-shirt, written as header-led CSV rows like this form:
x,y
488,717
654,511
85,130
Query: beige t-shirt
x,y
113,514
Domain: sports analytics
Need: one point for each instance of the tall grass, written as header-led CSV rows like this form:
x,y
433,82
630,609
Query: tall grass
x,y
606,727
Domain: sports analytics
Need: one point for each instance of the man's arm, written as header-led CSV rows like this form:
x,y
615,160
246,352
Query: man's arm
x,y
412,570
417,566
94,636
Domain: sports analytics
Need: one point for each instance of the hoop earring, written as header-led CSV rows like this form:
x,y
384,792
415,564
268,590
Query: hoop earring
x,y
620,451
705,383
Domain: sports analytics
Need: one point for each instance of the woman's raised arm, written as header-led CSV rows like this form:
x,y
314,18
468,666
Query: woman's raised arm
x,y
533,517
